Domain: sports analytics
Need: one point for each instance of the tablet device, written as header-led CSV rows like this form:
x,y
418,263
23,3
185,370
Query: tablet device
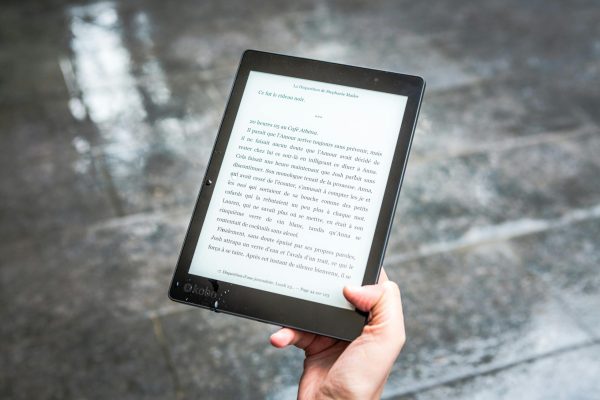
x,y
299,193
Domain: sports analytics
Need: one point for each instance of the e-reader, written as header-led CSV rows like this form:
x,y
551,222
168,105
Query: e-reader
x,y
299,192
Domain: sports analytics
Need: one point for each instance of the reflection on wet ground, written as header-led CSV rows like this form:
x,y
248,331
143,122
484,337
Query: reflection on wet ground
x,y
108,111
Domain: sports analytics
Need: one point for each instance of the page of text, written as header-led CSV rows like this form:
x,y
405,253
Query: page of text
x,y
296,203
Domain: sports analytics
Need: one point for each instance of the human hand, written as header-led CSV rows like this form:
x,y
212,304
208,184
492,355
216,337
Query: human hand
x,y
358,370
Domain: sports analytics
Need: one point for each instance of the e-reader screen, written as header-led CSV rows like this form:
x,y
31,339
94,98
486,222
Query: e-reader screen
x,y
300,188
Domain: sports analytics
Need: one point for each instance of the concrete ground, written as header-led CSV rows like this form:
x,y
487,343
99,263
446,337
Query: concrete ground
x,y
108,111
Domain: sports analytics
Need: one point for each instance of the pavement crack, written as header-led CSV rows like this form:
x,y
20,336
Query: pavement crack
x,y
111,190
508,230
162,341
398,393
587,129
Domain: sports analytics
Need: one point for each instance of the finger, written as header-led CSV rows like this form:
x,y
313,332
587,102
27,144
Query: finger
x,y
383,337
286,337
389,306
321,343
281,338
386,317
383,276
382,300
364,298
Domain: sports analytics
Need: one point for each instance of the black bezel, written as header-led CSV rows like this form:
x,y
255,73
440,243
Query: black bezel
x,y
272,307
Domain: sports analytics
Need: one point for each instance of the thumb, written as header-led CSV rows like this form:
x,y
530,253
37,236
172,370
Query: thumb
x,y
363,297
384,304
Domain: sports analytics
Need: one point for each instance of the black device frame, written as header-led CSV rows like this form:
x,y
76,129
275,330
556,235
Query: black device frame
x,y
271,307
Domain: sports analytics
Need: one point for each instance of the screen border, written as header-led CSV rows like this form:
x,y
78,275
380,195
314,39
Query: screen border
x,y
271,307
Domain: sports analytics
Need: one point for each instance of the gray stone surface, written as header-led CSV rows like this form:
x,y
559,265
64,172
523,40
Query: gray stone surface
x,y
476,308
569,375
100,359
108,112
118,271
568,261
221,356
459,198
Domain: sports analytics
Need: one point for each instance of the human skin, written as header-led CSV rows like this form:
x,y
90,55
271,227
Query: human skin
x,y
335,369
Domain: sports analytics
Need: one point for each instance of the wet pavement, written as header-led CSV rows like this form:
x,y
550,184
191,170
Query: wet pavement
x,y
108,111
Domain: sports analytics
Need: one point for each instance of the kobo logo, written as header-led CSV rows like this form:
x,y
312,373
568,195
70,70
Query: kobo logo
x,y
201,291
